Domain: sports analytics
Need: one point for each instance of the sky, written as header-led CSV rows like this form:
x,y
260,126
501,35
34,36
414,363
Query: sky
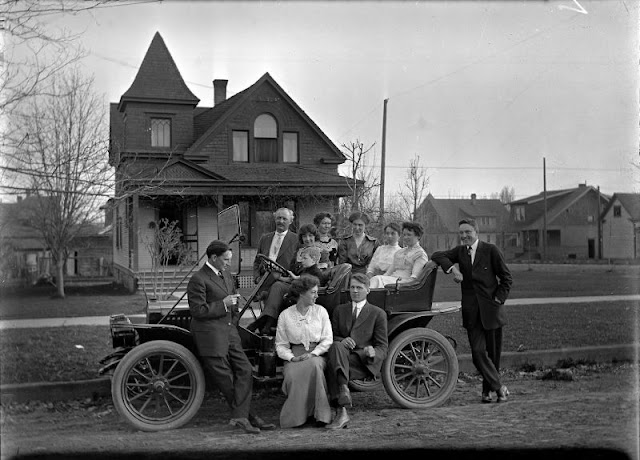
x,y
481,91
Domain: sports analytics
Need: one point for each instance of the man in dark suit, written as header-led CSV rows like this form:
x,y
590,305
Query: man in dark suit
x,y
485,281
213,304
359,346
279,246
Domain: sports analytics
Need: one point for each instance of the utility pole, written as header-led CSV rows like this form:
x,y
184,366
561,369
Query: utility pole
x,y
599,227
544,194
382,164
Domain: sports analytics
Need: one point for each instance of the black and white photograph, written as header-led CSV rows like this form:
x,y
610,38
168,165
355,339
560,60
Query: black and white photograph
x,y
313,229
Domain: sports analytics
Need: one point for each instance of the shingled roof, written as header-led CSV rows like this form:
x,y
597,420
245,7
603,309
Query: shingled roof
x,y
451,211
208,121
158,79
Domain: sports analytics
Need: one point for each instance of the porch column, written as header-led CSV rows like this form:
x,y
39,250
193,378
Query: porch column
x,y
135,244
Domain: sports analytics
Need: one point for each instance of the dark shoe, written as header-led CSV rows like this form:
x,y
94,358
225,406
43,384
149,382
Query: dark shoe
x,y
503,394
344,397
486,398
259,423
269,324
244,424
341,420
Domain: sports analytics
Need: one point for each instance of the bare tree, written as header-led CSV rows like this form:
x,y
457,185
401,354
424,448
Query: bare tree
x,y
364,180
507,195
413,191
61,162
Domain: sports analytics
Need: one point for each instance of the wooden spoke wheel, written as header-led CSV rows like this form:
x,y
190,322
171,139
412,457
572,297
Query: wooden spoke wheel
x,y
158,385
421,369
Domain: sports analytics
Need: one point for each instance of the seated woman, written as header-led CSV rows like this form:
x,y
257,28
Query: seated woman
x,y
303,336
383,257
358,248
408,262
327,244
274,304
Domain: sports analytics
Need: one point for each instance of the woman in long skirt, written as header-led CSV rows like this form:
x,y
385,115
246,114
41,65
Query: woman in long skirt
x,y
303,337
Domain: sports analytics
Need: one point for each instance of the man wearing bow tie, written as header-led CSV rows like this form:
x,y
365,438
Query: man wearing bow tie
x,y
485,282
213,303
359,346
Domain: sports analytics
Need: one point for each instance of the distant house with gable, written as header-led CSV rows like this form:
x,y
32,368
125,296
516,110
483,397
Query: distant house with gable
x,y
440,217
571,221
621,227
175,160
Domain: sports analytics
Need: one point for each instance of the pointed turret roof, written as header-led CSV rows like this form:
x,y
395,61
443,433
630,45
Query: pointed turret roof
x,y
158,79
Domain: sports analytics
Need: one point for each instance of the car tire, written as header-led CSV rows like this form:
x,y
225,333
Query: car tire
x,y
157,386
420,370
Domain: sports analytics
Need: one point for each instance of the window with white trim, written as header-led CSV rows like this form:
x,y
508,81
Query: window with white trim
x,y
241,146
265,136
161,132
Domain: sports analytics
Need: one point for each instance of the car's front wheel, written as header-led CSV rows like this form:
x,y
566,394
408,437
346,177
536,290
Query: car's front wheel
x,y
158,385
421,369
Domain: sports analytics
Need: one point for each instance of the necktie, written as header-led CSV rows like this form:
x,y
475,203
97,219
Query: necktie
x,y
354,316
275,247
470,252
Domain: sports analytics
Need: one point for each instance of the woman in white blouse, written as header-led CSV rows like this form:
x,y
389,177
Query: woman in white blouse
x,y
383,257
303,336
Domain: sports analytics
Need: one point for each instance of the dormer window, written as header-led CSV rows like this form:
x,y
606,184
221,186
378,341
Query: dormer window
x,y
265,135
161,132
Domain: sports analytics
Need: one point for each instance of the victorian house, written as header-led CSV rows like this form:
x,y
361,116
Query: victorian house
x,y
177,160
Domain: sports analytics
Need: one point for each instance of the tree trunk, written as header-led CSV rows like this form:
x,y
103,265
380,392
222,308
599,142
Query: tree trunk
x,y
60,279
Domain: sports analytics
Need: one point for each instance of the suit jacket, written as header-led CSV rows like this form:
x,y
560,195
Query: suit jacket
x,y
488,279
211,324
286,255
370,329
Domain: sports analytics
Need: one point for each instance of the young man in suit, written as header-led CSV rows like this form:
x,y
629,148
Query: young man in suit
x,y
359,346
213,301
279,246
485,282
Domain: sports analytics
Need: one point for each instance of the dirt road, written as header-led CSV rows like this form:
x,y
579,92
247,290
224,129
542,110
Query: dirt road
x,y
597,409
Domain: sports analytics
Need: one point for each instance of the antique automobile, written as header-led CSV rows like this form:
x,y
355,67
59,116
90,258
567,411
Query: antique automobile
x,y
158,382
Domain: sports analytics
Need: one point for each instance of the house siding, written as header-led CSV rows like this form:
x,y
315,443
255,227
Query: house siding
x,y
618,241
138,128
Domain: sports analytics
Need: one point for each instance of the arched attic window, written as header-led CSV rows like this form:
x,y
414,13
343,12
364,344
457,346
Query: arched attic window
x,y
265,135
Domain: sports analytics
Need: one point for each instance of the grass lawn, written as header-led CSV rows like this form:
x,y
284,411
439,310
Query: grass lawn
x,y
52,354
94,300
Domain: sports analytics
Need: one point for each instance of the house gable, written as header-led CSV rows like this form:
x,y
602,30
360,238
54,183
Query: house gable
x,y
239,113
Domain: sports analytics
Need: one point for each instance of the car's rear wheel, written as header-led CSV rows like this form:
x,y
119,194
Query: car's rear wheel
x,y
158,385
421,369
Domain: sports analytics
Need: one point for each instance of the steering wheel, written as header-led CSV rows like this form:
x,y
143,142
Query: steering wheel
x,y
272,266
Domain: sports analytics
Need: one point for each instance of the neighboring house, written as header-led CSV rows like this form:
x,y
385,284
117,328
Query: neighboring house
x,y
174,160
25,256
572,223
621,227
440,219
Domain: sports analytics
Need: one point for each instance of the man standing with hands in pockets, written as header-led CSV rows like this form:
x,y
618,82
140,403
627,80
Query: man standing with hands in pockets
x,y
359,346
213,301
485,281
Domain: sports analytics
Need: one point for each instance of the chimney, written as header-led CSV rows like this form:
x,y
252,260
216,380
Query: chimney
x,y
473,198
582,185
219,91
